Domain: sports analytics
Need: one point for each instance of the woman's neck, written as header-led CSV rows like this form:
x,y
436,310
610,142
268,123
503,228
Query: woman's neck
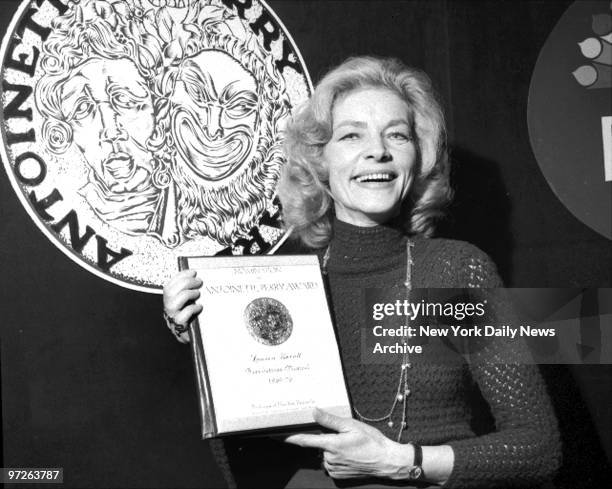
x,y
358,249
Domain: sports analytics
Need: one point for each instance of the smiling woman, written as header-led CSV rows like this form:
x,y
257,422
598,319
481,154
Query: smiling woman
x,y
373,125
366,177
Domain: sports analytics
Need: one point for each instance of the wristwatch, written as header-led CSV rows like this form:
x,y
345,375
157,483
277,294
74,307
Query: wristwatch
x,y
415,472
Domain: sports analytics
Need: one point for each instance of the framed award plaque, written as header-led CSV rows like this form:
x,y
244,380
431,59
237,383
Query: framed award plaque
x,y
265,350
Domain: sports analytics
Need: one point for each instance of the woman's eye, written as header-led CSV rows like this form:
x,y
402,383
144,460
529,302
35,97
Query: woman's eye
x,y
349,137
399,136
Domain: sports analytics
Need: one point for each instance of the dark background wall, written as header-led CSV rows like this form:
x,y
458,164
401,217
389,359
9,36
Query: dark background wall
x,y
93,382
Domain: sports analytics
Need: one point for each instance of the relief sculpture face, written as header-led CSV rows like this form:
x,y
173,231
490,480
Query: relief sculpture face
x,y
160,125
214,122
109,107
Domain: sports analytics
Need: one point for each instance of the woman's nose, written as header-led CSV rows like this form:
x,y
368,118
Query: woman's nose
x,y
378,150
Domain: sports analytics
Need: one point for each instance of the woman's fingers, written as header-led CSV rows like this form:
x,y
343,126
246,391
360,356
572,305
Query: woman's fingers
x,y
182,337
335,470
323,442
176,304
187,313
180,276
179,324
331,421
186,279
187,283
180,294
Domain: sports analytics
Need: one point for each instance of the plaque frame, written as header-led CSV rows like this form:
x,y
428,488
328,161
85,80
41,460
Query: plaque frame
x,y
262,284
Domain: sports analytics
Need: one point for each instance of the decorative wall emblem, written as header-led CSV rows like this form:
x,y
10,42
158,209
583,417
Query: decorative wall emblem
x,y
570,112
135,131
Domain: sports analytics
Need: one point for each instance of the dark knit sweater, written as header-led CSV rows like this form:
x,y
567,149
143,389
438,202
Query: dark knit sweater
x,y
522,450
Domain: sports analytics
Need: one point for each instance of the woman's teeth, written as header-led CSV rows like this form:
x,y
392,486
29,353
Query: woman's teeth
x,y
375,177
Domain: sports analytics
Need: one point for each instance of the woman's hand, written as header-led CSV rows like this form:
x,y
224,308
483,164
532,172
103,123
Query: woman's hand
x,y
180,294
357,450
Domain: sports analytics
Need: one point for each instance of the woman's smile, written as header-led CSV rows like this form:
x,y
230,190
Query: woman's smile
x,y
376,177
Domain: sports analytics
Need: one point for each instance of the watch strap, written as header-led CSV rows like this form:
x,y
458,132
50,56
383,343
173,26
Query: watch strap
x,y
416,471
418,454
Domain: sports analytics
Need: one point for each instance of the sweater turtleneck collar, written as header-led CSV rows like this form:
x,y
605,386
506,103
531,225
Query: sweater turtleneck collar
x,y
355,249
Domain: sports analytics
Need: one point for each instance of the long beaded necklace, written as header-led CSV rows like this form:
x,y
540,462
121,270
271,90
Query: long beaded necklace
x,y
402,391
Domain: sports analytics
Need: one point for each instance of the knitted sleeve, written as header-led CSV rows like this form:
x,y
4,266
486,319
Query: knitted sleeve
x,y
524,450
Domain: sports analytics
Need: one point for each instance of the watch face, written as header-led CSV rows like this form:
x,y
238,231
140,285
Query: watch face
x,y
415,472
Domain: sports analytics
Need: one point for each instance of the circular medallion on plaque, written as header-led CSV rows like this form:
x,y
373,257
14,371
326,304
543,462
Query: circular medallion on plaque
x,y
136,131
268,321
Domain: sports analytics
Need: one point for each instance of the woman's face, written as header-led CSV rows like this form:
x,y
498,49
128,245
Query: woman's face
x,y
371,156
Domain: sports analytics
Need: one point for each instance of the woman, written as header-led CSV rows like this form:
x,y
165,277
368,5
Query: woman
x,y
366,177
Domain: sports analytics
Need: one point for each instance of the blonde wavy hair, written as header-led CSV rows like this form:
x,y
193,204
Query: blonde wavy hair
x,y
304,184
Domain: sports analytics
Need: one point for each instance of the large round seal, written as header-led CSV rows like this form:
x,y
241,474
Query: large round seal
x,y
268,321
570,112
136,131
